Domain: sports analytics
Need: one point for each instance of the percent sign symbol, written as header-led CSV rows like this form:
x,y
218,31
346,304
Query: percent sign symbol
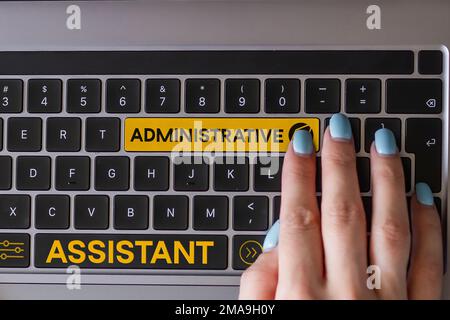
x,y
83,89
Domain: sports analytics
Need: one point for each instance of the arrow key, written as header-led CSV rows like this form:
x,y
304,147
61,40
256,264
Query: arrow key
x,y
250,213
246,250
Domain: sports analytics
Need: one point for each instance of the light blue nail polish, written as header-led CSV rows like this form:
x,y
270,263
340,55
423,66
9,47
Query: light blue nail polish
x,y
385,142
340,127
302,142
271,240
424,194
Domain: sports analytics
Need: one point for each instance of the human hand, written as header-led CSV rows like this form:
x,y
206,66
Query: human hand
x,y
324,254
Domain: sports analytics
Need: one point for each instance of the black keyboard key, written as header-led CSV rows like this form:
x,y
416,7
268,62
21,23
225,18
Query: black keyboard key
x,y
84,95
24,134
1,134
5,172
11,99
430,62
367,204
424,139
170,212
242,95
151,173
414,96
91,212
323,96
72,173
437,202
246,249
231,174
276,206
202,95
63,134
191,174
102,134
131,212
44,96
20,256
363,96
33,173
162,96
250,213
267,175
363,169
406,163
318,174
112,173
15,211
373,124
52,211
123,95
140,251
282,96
210,213
355,123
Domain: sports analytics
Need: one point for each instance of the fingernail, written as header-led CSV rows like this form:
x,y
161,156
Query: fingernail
x,y
340,127
385,142
424,194
302,142
271,240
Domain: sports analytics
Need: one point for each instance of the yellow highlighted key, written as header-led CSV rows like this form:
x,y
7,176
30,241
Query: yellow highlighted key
x,y
215,134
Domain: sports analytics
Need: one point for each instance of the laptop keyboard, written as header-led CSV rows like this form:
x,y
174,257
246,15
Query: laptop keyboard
x,y
172,160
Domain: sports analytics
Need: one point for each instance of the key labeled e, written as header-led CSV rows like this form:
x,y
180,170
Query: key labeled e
x,y
73,21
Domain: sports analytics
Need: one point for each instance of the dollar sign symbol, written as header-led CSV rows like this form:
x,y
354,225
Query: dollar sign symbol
x,y
44,89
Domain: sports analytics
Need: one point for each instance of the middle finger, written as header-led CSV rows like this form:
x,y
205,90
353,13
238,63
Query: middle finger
x,y
343,220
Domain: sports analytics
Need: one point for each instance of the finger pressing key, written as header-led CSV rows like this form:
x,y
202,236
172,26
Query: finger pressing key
x,y
426,267
299,247
390,236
